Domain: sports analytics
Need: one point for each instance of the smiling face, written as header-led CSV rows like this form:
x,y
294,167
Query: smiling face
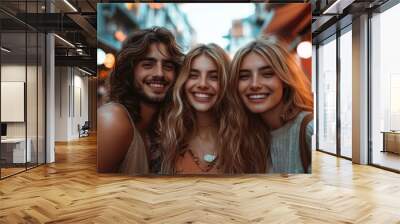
x,y
154,74
260,89
202,85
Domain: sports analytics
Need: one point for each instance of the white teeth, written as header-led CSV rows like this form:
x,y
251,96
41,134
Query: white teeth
x,y
202,95
258,96
156,85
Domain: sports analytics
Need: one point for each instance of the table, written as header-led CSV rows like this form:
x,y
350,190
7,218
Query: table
x,y
391,141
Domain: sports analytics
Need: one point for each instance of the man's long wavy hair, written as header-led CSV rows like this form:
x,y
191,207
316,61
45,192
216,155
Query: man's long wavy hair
x,y
134,49
297,94
178,123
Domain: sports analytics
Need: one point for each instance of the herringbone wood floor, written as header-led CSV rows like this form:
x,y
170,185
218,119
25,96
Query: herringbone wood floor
x,y
70,191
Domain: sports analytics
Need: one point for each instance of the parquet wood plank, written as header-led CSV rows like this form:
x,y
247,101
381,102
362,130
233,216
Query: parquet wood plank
x,y
70,191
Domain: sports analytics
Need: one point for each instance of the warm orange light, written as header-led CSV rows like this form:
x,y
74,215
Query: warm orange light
x,y
109,61
131,6
156,5
103,74
120,36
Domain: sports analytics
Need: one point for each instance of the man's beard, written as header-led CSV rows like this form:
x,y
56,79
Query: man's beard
x,y
145,98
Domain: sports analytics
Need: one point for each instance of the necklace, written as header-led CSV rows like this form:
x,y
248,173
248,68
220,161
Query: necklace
x,y
209,158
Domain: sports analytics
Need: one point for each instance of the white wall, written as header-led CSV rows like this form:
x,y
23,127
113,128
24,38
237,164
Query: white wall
x,y
61,103
80,111
14,73
71,94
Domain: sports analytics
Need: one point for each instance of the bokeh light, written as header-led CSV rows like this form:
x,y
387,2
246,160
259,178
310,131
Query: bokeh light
x,y
101,56
304,49
109,60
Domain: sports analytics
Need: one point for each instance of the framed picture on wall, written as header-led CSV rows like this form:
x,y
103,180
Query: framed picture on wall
x,y
190,93
12,101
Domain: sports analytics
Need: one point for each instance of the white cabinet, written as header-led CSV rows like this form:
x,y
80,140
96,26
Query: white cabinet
x,y
15,148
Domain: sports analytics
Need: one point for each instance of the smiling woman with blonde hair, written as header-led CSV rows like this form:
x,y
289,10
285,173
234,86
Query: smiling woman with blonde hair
x,y
276,94
200,130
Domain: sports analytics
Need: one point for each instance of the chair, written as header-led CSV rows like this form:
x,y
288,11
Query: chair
x,y
84,130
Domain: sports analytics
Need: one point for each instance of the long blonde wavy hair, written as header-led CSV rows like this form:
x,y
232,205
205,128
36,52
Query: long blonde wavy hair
x,y
297,95
178,122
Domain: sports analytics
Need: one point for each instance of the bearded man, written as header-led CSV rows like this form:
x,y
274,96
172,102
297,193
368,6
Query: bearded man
x,y
139,86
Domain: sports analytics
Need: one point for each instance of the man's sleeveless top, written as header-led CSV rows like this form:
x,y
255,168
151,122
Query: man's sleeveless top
x,y
135,161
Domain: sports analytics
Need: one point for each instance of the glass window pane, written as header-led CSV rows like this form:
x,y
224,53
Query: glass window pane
x,y
327,97
346,94
41,98
385,89
14,146
31,97
22,63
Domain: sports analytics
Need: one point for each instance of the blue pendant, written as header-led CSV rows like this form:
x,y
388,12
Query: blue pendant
x,y
209,158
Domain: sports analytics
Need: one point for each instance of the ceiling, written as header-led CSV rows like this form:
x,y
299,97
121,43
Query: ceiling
x,y
328,17
75,26
79,27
